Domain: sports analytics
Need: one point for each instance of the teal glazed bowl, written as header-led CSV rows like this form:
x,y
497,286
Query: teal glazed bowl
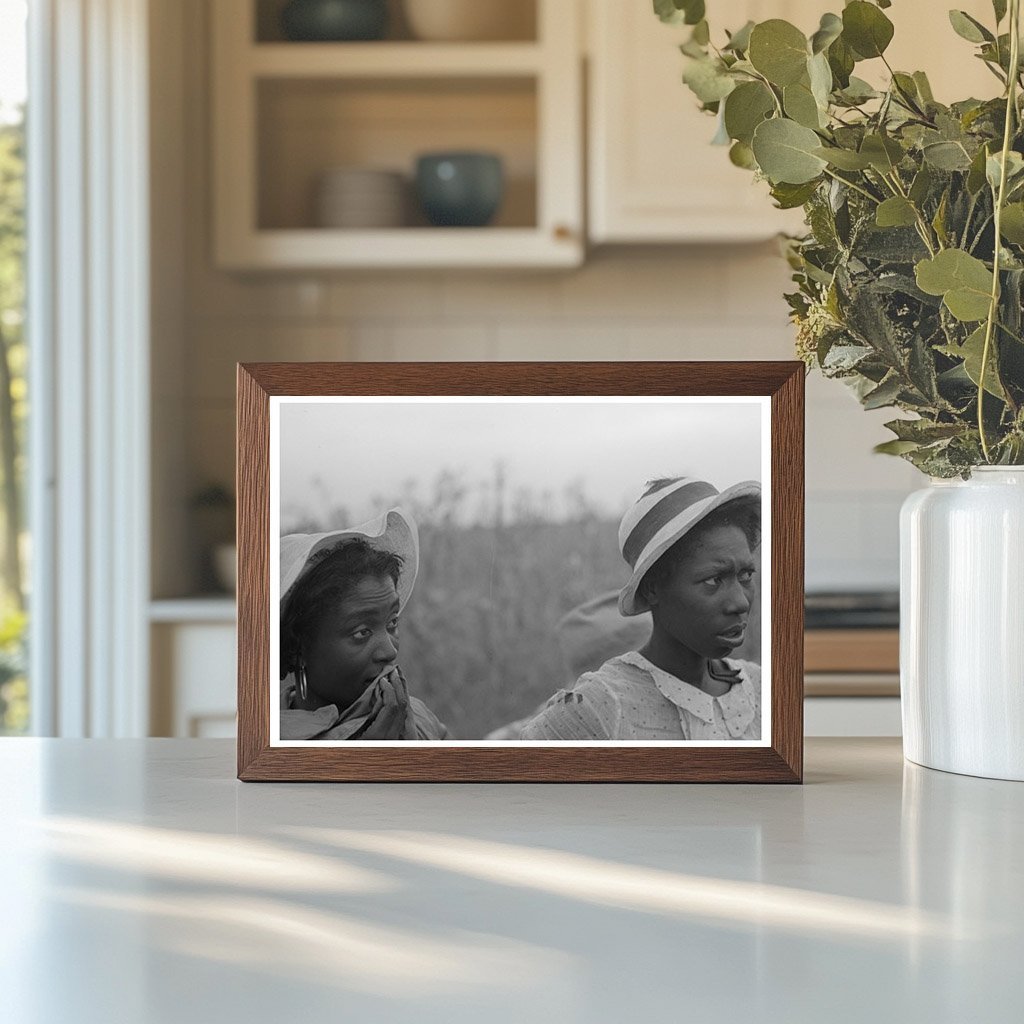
x,y
332,21
462,190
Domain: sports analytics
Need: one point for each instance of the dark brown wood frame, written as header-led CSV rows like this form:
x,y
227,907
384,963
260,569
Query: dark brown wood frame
x,y
780,762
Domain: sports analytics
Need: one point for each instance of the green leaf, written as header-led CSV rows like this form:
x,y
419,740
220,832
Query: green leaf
x,y
676,12
896,212
694,11
785,152
883,153
721,137
895,447
789,197
971,352
963,281
841,60
820,75
745,108
976,175
707,80
999,7
906,89
921,185
923,431
742,155
701,33
939,220
1011,225
885,394
739,41
866,29
859,91
844,159
994,167
968,28
800,105
946,156
778,50
924,88
830,28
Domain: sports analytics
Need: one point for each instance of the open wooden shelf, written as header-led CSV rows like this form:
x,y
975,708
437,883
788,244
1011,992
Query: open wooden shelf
x,y
852,650
393,60
287,113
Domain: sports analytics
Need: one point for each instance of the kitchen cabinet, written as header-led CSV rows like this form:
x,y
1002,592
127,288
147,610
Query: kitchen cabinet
x,y
194,676
193,659
286,113
653,175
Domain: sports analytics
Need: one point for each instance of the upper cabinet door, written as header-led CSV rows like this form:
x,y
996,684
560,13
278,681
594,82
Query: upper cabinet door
x,y
302,130
654,175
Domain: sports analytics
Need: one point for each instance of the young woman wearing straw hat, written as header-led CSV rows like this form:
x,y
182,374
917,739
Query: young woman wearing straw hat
x,y
690,549
341,594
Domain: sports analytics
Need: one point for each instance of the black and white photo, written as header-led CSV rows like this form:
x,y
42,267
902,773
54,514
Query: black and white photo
x,y
518,571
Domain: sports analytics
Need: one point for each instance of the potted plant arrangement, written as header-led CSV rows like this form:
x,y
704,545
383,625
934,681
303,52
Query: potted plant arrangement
x,y
909,285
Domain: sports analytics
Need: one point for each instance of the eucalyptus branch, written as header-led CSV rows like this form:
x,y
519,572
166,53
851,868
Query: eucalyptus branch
x,y
1006,330
993,308
977,238
923,228
908,101
771,89
969,217
855,187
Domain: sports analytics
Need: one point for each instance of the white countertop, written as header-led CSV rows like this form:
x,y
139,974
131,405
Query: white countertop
x,y
143,884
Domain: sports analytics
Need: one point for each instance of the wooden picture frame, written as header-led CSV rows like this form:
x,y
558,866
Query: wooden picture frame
x,y
778,386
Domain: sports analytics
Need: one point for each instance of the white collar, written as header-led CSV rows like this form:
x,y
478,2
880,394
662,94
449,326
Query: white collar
x,y
735,705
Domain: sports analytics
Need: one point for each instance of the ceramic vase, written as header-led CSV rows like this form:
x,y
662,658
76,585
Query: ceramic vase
x,y
460,189
962,624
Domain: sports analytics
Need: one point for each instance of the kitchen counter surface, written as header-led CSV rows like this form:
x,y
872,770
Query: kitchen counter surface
x,y
142,883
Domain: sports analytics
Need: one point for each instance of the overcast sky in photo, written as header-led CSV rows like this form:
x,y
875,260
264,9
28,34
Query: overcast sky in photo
x,y
343,453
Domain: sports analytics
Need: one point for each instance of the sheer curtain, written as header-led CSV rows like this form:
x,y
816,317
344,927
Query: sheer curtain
x,y
88,301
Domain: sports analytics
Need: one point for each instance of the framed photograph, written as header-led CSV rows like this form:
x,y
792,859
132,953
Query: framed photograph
x,y
520,572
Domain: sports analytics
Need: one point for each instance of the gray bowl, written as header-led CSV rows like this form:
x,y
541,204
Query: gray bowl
x,y
334,20
460,189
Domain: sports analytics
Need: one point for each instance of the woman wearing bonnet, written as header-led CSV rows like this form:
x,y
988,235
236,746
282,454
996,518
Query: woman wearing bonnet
x,y
691,552
341,595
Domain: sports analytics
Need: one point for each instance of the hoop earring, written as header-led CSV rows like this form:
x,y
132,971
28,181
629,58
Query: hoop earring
x,y
302,686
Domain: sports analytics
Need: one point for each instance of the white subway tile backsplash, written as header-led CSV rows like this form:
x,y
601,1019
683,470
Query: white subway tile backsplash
x,y
247,298
755,281
210,451
500,298
373,344
560,341
646,285
214,347
442,342
413,296
707,303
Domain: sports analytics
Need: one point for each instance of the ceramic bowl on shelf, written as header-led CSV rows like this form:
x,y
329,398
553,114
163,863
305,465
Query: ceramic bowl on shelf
x,y
469,20
361,198
460,189
334,20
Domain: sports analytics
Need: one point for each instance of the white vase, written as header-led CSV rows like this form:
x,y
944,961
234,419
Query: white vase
x,y
962,624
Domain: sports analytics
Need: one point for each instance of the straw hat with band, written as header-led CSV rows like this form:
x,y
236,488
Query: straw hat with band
x,y
393,531
659,518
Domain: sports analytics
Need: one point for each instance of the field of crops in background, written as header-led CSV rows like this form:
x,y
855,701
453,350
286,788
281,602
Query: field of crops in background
x,y
478,640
